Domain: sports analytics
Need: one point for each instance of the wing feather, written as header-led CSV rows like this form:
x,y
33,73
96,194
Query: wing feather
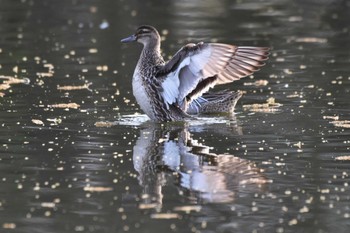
x,y
184,76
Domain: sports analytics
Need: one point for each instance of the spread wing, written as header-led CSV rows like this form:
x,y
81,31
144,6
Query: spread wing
x,y
197,67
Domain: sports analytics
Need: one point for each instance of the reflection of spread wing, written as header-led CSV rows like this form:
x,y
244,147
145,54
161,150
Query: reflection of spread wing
x,y
208,176
197,67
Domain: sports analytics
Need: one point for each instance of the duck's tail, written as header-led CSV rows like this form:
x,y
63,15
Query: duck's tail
x,y
215,102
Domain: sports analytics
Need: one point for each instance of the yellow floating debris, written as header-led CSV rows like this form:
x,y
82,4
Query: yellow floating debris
x,y
12,80
342,124
16,81
62,105
269,106
49,66
148,206
188,209
93,50
257,83
9,80
299,144
46,74
37,122
165,216
342,158
102,68
293,96
335,118
73,88
97,189
48,204
55,121
8,225
104,124
311,40
15,69
287,71
4,86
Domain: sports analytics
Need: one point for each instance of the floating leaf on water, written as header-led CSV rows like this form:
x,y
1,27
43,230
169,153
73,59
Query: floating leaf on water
x,y
343,158
287,71
293,222
298,145
48,204
49,66
311,40
188,209
343,124
62,105
4,86
305,209
310,86
15,69
46,74
73,88
12,80
335,118
271,101
93,50
257,83
37,122
148,206
165,216
104,124
97,189
325,191
102,68
270,106
93,9
8,225
293,95
295,19
55,121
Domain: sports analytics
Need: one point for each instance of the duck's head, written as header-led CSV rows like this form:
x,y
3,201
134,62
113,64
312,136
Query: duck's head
x,y
145,35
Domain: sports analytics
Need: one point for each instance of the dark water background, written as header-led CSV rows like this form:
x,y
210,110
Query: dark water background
x,y
95,168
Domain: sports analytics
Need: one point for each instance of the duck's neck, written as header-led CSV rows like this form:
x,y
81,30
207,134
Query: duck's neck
x,y
153,45
151,54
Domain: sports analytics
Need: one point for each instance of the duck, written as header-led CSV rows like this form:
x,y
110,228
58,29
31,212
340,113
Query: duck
x,y
177,89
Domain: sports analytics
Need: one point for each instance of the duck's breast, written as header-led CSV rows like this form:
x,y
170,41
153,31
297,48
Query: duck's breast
x,y
141,95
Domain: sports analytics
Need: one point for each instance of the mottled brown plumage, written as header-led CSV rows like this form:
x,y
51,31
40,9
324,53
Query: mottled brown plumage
x,y
166,90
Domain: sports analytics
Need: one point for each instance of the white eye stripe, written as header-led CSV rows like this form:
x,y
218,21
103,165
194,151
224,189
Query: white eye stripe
x,y
145,31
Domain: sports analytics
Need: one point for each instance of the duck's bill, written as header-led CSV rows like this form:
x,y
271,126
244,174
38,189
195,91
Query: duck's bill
x,y
129,39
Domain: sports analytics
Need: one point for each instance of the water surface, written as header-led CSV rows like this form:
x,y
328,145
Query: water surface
x,y
78,155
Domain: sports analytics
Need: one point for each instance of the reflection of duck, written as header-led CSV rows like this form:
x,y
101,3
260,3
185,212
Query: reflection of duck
x,y
202,175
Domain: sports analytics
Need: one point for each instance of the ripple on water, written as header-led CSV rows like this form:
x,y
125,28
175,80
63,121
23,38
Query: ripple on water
x,y
139,119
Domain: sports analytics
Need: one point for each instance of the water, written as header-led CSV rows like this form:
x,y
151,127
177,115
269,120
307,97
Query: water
x,y
74,157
